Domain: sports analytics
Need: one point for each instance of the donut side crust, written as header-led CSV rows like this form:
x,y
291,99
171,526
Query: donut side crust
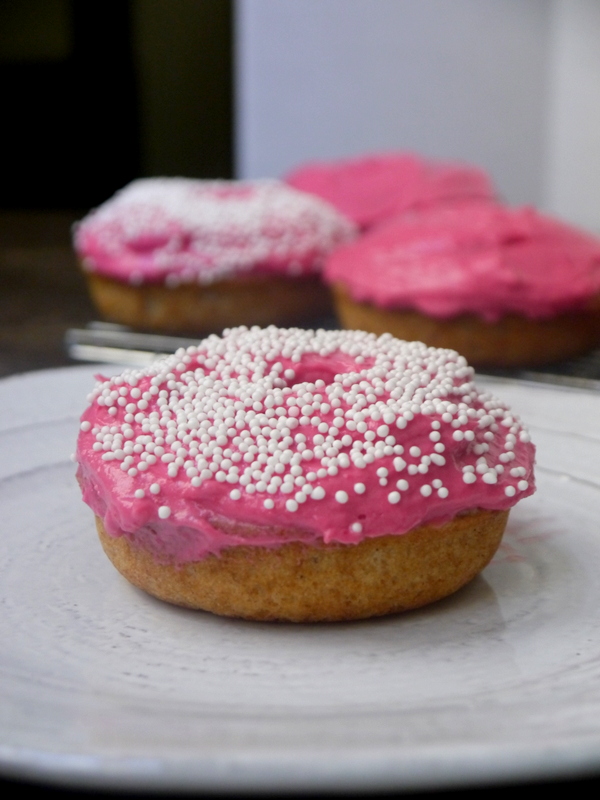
x,y
195,308
297,582
513,341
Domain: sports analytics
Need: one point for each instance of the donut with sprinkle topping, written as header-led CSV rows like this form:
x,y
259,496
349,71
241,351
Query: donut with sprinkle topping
x,y
183,254
262,439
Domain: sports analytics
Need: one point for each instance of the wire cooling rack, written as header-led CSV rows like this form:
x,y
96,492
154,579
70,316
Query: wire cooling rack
x,y
103,342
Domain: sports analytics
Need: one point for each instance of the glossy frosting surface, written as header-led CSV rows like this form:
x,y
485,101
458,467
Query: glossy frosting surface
x,y
372,189
182,230
472,257
326,436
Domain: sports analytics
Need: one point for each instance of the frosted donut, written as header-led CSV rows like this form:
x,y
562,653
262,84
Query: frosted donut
x,y
301,475
178,254
503,286
374,188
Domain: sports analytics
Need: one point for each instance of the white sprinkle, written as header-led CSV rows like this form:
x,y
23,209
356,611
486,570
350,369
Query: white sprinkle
x,y
85,426
235,494
356,527
341,496
139,493
522,485
291,505
232,411
510,491
394,497
426,490
164,512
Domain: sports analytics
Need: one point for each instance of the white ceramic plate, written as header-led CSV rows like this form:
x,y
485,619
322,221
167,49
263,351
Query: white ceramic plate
x,y
102,686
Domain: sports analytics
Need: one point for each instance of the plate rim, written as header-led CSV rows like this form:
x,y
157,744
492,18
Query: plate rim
x,y
400,768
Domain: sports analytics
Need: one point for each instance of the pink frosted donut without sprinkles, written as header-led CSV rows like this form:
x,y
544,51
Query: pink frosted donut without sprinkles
x,y
374,188
301,475
503,286
178,254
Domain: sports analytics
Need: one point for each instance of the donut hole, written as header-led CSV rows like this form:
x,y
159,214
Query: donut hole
x,y
227,192
312,375
147,243
318,368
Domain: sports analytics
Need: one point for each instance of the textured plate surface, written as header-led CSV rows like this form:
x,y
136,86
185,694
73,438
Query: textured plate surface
x,y
103,686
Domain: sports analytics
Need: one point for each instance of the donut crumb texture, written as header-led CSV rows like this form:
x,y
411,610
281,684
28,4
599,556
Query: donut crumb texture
x,y
335,582
201,308
512,341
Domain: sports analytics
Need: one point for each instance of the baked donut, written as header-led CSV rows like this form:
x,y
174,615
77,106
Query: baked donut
x,y
505,287
374,188
183,255
301,475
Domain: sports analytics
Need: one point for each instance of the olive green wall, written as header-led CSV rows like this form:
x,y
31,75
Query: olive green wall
x,y
97,92
182,51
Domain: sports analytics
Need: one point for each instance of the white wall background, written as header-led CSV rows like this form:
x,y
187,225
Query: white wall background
x,y
511,85
572,166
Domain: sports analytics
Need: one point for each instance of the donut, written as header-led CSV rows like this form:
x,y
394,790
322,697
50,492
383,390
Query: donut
x,y
288,474
374,188
506,287
183,255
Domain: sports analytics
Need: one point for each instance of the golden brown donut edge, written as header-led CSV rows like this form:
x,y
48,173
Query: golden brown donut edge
x,y
512,341
296,582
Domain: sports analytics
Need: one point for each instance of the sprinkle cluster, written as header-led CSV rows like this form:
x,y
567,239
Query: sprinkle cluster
x,y
287,419
185,230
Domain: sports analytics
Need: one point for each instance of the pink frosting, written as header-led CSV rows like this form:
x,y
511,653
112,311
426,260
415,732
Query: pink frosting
x,y
184,230
326,436
372,189
472,257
